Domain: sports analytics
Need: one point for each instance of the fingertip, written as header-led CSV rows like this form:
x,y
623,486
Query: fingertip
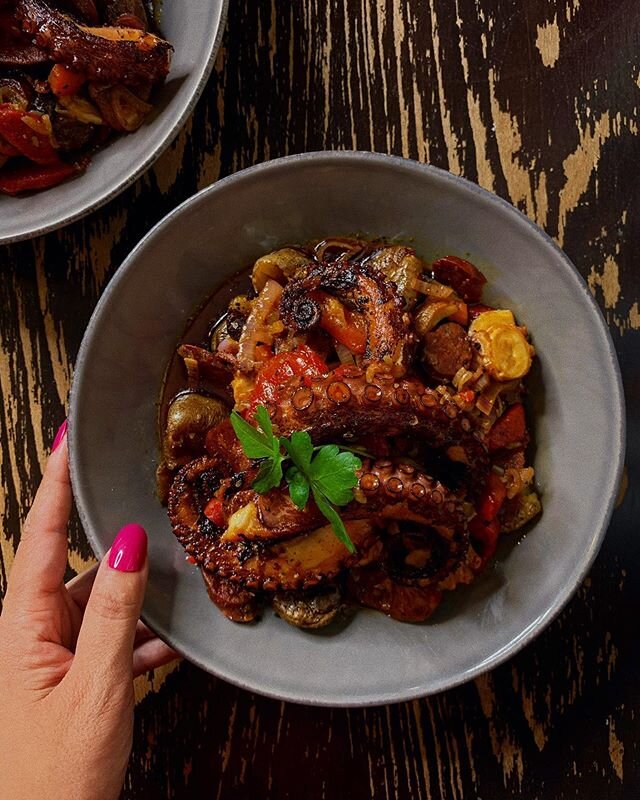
x,y
129,549
60,436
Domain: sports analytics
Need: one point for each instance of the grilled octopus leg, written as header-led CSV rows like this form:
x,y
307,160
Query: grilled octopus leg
x,y
351,403
258,556
365,290
144,60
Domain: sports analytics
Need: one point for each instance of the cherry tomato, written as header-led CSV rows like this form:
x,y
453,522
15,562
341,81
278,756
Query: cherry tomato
x,y
303,361
509,430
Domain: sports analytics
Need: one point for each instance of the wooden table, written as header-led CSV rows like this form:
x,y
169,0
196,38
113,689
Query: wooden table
x,y
535,100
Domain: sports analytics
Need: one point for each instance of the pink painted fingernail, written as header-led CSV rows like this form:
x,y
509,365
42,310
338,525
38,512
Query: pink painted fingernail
x,y
129,549
62,432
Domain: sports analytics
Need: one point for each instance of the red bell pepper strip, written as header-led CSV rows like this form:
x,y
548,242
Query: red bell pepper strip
x,y
493,497
509,430
65,81
215,512
32,142
33,177
485,538
341,324
7,150
303,361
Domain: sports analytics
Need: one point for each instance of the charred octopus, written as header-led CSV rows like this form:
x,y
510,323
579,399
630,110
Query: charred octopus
x,y
360,346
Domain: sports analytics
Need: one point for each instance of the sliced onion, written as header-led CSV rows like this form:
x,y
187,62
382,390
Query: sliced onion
x,y
120,107
487,399
255,329
430,313
80,109
344,354
433,289
349,248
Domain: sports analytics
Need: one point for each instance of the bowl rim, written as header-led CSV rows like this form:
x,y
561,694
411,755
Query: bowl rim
x,y
104,197
617,408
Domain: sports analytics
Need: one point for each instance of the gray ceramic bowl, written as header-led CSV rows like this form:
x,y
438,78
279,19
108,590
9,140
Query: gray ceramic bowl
x,y
194,28
577,406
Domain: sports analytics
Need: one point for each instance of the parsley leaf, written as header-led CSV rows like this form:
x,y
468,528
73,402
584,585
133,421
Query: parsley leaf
x,y
328,472
254,443
300,449
334,474
269,475
298,487
334,518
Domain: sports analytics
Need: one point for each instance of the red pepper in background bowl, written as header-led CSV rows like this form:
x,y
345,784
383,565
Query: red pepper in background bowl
x,y
65,81
32,177
27,132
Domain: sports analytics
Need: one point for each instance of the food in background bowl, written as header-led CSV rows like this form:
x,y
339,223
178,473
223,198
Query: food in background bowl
x,y
70,78
376,448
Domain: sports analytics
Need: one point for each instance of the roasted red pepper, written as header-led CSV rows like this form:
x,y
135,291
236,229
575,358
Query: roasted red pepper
x,y
342,324
303,361
461,275
26,131
215,512
65,81
492,499
509,430
485,538
33,177
7,150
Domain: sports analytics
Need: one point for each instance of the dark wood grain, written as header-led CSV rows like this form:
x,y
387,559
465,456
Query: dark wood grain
x,y
535,100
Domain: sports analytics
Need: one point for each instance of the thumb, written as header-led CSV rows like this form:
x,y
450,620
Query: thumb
x,y
106,638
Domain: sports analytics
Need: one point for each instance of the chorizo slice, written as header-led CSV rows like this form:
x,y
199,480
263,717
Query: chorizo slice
x,y
447,348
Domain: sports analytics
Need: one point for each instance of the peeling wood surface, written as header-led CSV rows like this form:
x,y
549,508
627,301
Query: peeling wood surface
x,y
535,100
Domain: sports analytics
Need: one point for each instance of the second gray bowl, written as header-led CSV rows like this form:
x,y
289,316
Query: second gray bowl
x,y
194,28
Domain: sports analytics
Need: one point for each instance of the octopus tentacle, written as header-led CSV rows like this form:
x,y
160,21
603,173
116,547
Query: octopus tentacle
x,y
301,562
284,556
387,490
351,403
361,288
146,59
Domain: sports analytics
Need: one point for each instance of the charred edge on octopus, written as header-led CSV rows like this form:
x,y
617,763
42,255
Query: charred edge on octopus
x,y
361,289
144,61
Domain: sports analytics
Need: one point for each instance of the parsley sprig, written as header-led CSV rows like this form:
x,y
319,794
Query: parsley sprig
x,y
328,472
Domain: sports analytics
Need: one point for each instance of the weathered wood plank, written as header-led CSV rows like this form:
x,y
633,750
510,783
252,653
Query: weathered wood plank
x,y
537,101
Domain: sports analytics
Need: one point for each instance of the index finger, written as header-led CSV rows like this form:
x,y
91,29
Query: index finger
x,y
41,558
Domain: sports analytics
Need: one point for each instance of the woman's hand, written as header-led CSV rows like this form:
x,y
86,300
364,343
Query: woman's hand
x,y
68,656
